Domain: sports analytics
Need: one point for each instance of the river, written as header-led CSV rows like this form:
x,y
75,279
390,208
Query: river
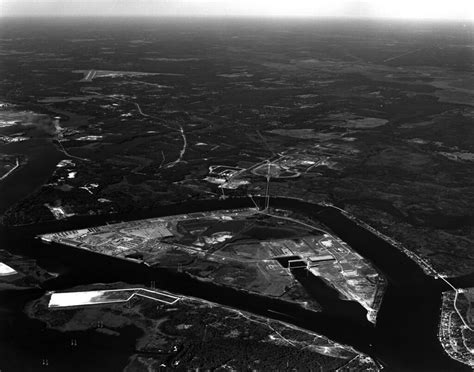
x,y
42,158
404,338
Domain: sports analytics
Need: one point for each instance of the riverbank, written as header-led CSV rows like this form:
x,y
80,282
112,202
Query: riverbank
x,y
179,330
404,338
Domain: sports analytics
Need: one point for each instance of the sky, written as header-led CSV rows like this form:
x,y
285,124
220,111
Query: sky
x,y
402,9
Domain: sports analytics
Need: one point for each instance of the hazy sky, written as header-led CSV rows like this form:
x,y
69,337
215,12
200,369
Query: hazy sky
x,y
414,9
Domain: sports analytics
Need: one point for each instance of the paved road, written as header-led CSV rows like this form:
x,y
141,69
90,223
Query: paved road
x,y
11,170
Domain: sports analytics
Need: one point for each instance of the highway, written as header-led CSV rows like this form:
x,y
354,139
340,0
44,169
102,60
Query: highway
x,y
318,163
180,129
402,55
266,161
140,110
11,170
64,151
90,75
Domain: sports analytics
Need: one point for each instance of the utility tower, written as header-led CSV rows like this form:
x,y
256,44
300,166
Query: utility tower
x,y
267,195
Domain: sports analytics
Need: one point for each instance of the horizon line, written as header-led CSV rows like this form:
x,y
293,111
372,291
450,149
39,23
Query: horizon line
x,y
246,16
